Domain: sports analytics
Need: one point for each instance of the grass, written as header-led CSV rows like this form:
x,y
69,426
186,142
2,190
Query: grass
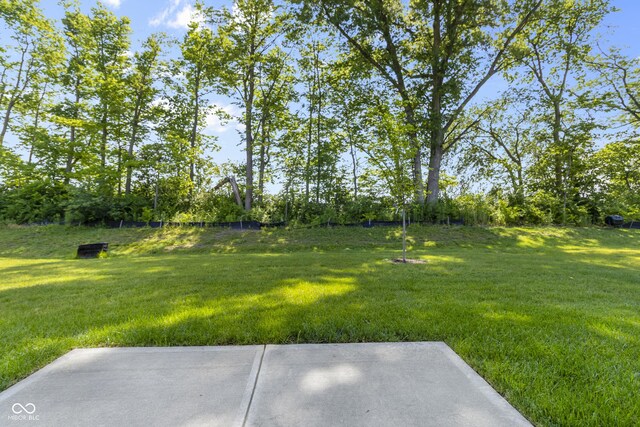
x,y
550,317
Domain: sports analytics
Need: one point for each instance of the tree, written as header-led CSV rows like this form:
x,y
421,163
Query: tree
x,y
30,60
109,57
72,116
275,92
196,48
31,132
501,144
246,34
618,167
371,130
616,87
554,52
141,93
314,75
349,102
185,105
436,55
388,149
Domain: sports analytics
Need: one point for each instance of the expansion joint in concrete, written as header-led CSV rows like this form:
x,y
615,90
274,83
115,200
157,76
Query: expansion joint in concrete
x,y
260,356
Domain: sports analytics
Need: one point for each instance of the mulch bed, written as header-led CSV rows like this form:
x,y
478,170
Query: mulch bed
x,y
409,261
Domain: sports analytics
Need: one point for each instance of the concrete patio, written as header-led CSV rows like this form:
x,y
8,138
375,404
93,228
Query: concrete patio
x,y
377,384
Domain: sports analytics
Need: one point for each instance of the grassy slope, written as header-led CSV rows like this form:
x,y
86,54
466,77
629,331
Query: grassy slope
x,y
550,317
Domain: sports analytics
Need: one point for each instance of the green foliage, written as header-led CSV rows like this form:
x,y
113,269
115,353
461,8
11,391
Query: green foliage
x,y
129,208
269,211
86,207
617,166
342,112
216,207
38,201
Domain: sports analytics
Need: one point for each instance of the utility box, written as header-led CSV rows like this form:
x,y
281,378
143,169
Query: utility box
x,y
92,250
614,220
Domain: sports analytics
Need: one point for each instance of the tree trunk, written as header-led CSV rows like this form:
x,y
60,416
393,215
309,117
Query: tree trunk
x,y
119,169
417,157
436,148
354,162
248,196
433,181
36,121
155,195
72,135
558,154
520,187
70,155
5,121
132,140
14,95
318,135
307,169
558,159
194,132
103,141
263,160
437,131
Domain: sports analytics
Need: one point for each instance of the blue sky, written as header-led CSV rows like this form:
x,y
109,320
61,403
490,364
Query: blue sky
x,y
621,29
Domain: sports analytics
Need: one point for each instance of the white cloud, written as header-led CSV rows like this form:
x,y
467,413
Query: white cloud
x,y
161,102
168,11
177,14
184,17
113,3
217,125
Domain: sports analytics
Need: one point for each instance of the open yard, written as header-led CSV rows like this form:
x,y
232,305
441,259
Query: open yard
x,y
550,317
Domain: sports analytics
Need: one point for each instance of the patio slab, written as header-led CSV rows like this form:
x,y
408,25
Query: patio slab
x,y
376,384
176,386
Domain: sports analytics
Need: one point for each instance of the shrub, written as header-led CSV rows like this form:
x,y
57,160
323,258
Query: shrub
x,y
37,201
85,207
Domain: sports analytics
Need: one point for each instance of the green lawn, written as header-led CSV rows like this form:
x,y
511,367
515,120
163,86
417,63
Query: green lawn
x,y
550,317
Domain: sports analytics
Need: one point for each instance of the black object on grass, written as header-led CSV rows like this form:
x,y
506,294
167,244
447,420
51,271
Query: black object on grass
x,y
614,220
92,250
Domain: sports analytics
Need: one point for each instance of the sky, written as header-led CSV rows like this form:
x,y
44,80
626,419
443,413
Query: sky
x,y
621,29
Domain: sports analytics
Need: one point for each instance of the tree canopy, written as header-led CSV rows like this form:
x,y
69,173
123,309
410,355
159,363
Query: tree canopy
x,y
346,111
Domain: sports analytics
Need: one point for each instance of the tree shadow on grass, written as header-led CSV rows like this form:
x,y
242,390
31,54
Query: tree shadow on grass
x,y
145,302
62,242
